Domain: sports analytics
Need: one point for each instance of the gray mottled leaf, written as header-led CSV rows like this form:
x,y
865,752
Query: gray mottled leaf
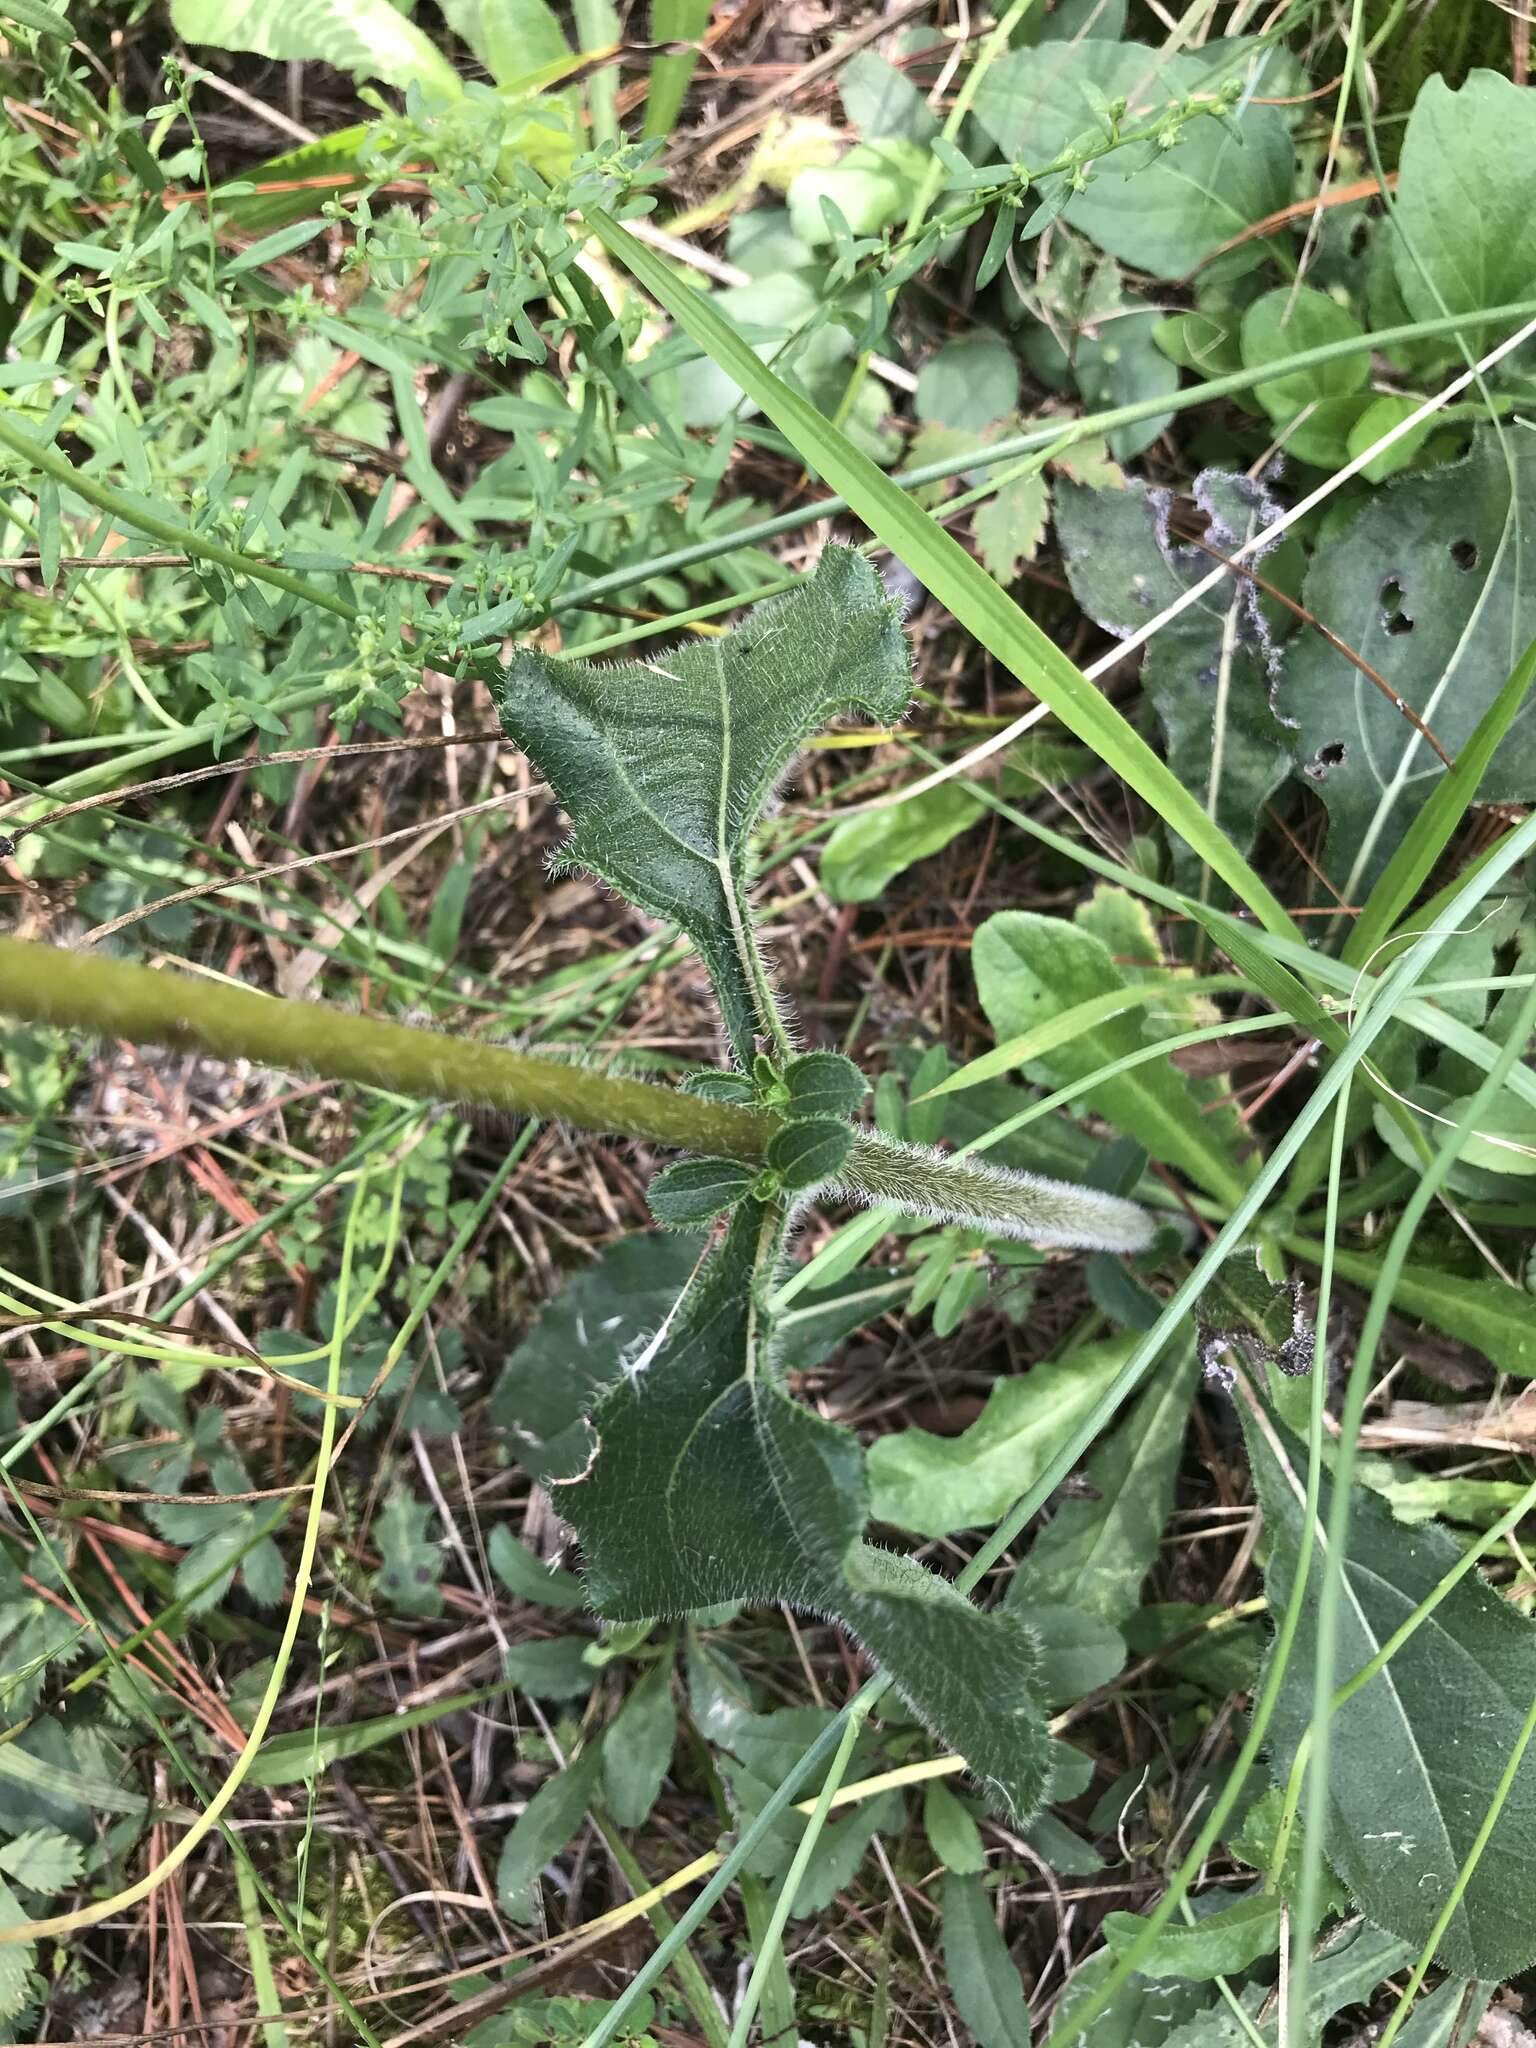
x,y
984,1980
1426,583
552,1377
1163,212
1416,1753
664,766
711,1484
412,1562
1211,671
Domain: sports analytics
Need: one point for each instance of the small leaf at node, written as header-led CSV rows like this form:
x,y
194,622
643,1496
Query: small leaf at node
x,y
824,1084
695,1191
805,1153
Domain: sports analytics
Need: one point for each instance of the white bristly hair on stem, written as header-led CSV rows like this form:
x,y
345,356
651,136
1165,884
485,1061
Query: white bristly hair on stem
x,y
1024,1205
967,762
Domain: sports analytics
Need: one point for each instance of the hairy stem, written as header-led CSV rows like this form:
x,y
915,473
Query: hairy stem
x,y
104,997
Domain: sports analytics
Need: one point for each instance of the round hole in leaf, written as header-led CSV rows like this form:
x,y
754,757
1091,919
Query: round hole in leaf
x,y
1394,618
1464,553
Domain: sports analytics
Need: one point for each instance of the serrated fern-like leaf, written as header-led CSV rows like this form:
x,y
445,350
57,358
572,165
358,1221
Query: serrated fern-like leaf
x,y
664,766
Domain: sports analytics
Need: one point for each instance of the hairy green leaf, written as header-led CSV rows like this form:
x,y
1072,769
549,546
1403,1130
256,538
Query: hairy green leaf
x,y
806,1154
824,1084
1211,671
1427,584
711,1484
1417,1753
664,766
694,1191
553,1376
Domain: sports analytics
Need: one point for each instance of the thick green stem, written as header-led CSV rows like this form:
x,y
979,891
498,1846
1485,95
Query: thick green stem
x,y
109,998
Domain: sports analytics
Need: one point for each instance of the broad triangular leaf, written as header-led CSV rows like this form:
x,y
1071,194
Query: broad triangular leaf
x,y
1417,1753
664,766
711,1484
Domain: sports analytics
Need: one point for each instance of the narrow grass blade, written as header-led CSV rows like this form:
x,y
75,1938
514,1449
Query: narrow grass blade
x,y
958,582
1430,833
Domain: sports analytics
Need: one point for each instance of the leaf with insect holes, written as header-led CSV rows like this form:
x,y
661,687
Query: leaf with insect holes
x,y
1428,583
1211,671
1417,1753
406,1581
711,1484
1163,211
664,767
